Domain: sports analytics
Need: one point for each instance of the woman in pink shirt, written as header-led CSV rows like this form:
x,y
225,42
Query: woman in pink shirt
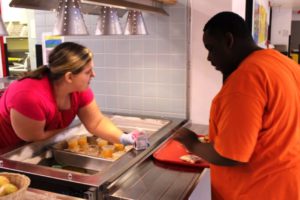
x,y
45,101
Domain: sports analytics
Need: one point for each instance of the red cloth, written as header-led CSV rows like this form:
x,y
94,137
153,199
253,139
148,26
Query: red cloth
x,y
34,99
255,119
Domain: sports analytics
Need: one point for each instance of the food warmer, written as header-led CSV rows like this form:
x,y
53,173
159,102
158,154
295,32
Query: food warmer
x,y
84,176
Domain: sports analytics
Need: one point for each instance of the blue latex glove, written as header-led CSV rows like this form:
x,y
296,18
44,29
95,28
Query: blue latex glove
x,y
136,138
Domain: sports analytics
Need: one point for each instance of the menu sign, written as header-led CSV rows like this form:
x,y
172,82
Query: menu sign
x,y
49,41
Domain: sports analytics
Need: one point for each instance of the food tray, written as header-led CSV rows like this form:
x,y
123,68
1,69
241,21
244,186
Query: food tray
x,y
170,153
66,157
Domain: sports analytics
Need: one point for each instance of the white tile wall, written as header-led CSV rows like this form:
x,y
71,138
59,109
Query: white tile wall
x,y
137,74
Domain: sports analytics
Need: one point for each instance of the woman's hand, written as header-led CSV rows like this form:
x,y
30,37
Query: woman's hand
x,y
137,138
96,123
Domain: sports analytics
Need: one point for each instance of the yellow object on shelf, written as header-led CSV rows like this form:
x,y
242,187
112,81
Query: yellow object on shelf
x,y
295,57
12,59
167,1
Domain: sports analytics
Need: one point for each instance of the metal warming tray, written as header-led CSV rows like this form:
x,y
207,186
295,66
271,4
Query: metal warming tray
x,y
53,151
66,157
37,159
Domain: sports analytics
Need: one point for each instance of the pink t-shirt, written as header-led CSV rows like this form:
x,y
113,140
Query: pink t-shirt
x,y
34,99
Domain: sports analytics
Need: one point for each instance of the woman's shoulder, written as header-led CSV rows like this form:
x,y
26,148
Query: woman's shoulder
x,y
30,86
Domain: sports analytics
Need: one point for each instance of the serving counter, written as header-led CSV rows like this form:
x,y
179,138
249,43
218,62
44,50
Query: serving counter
x,y
135,175
155,180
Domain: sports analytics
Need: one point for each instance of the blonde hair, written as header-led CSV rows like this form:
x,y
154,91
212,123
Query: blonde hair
x,y
66,57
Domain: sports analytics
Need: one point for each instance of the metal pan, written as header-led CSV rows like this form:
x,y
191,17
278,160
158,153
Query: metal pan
x,y
77,159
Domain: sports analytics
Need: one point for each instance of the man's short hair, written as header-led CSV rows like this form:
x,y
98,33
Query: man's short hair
x,y
225,22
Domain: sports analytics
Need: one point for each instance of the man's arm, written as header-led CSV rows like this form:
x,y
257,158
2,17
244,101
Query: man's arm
x,y
205,150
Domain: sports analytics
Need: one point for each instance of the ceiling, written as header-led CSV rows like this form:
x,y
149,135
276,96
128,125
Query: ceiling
x,y
294,4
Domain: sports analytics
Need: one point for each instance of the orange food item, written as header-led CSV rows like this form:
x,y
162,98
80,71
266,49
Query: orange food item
x,y
119,147
82,141
84,147
107,151
101,142
73,143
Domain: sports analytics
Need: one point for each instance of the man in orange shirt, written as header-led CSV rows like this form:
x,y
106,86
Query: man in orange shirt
x,y
254,127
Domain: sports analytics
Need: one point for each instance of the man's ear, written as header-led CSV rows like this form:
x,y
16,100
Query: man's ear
x,y
229,39
68,77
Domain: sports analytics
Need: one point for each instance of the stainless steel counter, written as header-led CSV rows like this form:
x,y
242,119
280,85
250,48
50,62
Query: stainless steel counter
x,y
136,176
153,180
90,186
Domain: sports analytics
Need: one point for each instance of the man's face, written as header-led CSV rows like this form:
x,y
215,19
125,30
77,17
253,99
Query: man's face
x,y
218,52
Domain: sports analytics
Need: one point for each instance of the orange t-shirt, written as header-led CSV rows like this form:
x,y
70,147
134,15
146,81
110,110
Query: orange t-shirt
x,y
255,119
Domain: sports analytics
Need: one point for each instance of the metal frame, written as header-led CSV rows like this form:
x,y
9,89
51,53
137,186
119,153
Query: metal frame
x,y
63,181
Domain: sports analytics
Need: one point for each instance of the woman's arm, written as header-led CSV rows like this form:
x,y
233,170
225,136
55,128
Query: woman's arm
x,y
29,129
97,124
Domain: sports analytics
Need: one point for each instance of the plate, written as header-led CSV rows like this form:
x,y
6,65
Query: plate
x,y
170,153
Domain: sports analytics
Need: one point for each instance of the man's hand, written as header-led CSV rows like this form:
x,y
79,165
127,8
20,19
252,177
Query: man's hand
x,y
204,150
186,137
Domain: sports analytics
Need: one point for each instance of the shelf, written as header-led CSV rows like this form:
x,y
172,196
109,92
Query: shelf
x,y
16,37
17,44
